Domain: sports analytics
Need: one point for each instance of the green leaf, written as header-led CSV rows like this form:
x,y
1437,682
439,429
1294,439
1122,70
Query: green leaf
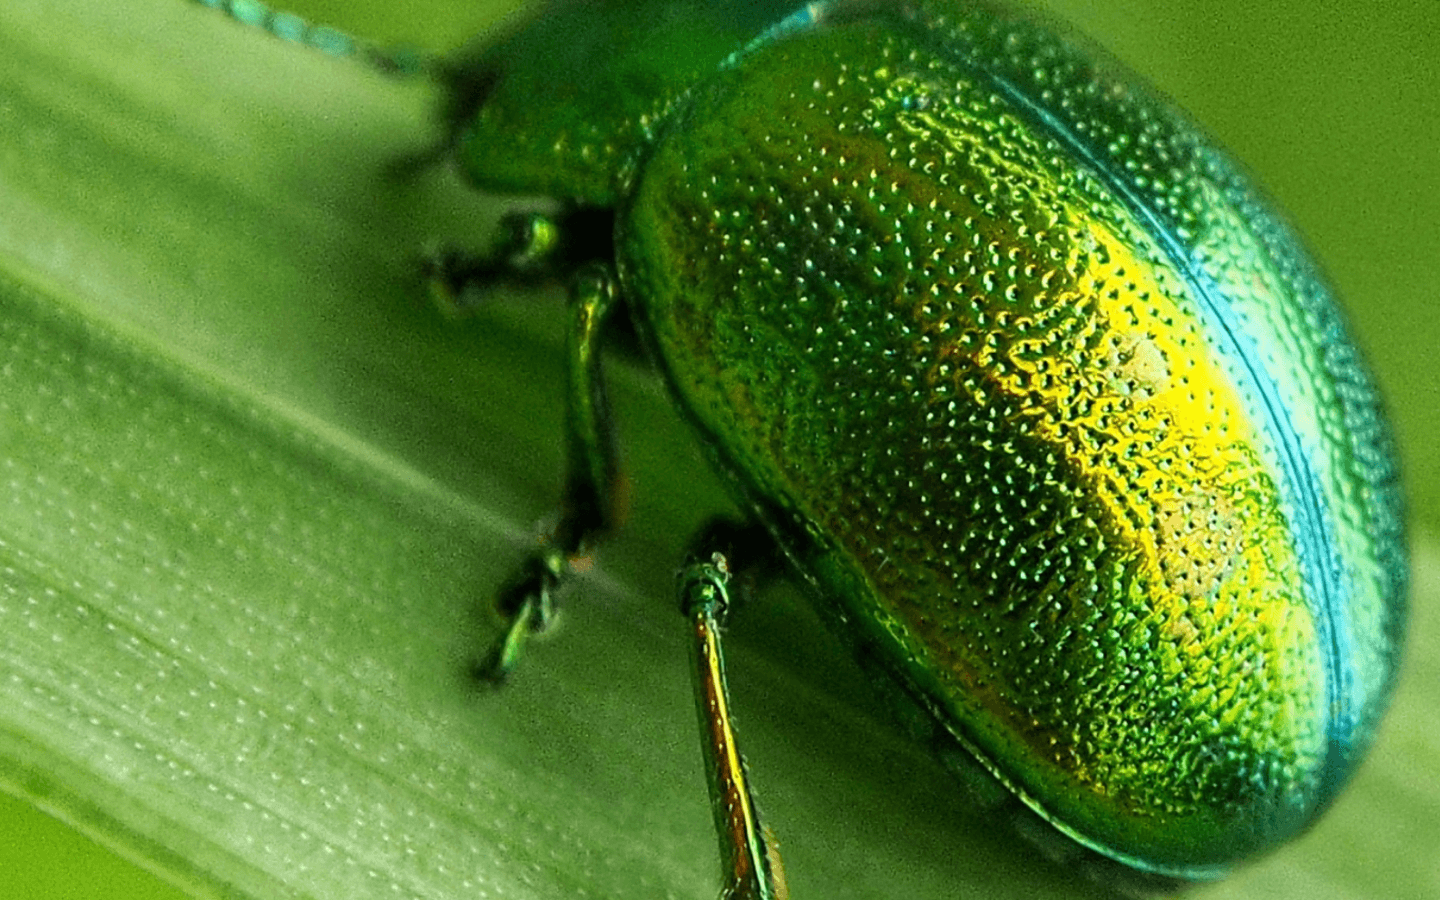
x,y
254,495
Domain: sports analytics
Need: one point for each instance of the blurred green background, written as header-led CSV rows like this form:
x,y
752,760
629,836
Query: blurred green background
x,y
1332,104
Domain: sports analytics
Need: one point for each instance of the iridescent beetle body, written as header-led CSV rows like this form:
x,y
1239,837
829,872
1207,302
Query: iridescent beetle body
x,y
1045,402
1042,399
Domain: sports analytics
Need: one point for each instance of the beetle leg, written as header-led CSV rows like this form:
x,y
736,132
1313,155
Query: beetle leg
x,y
592,478
532,247
753,557
457,280
588,505
750,864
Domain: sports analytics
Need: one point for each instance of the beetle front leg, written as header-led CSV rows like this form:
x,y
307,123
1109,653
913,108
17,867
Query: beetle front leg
x,y
750,865
532,247
588,505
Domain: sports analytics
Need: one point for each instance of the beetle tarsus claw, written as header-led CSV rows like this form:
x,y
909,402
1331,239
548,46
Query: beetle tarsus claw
x,y
455,282
528,606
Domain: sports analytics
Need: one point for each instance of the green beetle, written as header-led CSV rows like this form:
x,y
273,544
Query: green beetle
x,y
1039,396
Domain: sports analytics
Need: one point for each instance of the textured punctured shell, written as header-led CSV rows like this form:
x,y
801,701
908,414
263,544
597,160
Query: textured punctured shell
x,y
1045,401
1053,407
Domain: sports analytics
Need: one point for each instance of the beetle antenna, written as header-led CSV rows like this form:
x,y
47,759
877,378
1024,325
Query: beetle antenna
x,y
396,61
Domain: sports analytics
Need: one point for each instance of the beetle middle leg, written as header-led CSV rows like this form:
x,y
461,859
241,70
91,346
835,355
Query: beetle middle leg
x,y
588,504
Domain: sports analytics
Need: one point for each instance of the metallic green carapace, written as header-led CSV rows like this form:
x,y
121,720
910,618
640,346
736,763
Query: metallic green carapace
x,y
1043,400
